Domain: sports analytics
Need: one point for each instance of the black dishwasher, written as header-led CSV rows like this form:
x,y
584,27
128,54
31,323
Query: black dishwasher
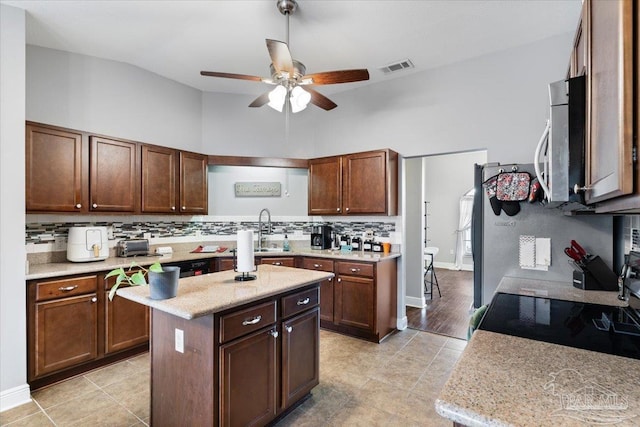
x,y
192,268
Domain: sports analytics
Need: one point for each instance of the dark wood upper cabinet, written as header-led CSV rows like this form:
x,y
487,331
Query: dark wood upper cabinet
x,y
610,95
354,184
113,185
193,183
325,186
159,192
54,170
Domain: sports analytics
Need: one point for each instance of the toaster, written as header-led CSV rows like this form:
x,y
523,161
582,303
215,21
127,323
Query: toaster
x,y
127,248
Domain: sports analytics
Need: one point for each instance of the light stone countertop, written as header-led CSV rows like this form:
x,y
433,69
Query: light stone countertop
x,y
503,380
57,269
211,293
557,290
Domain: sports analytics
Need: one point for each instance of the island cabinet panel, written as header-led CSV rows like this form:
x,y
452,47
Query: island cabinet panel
x,y
225,264
326,286
62,324
113,185
159,166
300,356
193,183
248,383
54,170
126,323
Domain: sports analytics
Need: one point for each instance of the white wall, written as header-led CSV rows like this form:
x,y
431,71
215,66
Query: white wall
x,y
446,178
112,98
497,102
13,324
413,247
223,202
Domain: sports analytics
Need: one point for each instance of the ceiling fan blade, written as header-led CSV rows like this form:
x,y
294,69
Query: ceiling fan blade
x,y
340,76
231,76
280,56
261,100
320,100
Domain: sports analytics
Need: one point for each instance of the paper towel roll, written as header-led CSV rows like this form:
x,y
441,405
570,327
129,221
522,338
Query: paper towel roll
x,y
244,254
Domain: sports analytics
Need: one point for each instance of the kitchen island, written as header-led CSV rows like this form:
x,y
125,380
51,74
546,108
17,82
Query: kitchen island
x,y
504,380
225,352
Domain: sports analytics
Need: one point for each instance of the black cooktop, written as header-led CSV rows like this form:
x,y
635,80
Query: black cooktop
x,y
595,327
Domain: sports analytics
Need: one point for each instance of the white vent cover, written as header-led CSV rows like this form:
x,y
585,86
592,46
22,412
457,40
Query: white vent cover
x,y
397,66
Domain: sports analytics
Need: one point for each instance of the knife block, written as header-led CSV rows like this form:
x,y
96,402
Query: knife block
x,y
603,275
584,280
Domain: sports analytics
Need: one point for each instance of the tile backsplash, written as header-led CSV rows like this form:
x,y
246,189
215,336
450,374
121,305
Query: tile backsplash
x,y
50,232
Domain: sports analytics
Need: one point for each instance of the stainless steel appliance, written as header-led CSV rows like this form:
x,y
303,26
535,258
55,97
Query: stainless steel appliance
x,y
128,248
561,149
321,237
86,244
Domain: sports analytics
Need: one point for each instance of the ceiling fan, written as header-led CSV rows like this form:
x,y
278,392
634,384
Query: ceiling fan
x,y
289,76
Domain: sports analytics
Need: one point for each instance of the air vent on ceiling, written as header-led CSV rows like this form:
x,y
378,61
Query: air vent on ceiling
x,y
397,66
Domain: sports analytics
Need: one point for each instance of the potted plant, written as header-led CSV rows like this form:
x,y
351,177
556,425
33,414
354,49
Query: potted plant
x,y
162,281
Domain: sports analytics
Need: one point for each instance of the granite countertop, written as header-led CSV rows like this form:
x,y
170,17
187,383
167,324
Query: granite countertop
x,y
503,380
56,269
211,293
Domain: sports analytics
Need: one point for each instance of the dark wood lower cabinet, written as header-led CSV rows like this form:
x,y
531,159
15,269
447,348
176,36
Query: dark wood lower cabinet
x,y
244,366
127,324
354,302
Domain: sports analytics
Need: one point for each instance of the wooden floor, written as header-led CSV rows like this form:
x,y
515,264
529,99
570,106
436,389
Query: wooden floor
x,y
449,314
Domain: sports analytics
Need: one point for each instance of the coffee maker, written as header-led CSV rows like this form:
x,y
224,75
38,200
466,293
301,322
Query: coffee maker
x,y
321,237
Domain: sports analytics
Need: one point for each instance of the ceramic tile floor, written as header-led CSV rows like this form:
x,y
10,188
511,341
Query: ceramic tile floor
x,y
394,383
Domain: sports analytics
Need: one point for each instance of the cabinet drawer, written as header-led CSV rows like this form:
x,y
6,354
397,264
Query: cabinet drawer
x,y
65,287
319,264
239,323
285,261
355,269
300,301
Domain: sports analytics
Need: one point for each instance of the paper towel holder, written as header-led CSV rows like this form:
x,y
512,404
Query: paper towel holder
x,y
244,276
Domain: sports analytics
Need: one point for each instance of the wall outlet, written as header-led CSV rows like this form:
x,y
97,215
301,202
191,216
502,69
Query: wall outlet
x,y
60,243
179,340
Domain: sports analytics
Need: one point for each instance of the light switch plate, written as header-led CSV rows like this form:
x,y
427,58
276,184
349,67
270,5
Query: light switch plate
x,y
179,340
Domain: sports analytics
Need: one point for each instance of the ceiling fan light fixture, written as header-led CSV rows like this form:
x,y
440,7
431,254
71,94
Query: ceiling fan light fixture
x,y
277,97
300,98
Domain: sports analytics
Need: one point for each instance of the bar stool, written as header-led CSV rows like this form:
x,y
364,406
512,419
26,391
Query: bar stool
x,y
430,253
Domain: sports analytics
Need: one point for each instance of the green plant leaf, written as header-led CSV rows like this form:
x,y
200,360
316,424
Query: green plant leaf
x,y
156,267
137,278
114,272
112,292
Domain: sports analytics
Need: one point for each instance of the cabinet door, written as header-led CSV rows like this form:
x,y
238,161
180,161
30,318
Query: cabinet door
x,y
364,190
326,300
127,324
113,185
300,356
158,179
53,170
609,169
225,264
325,186
284,261
354,297
578,66
248,381
66,333
193,183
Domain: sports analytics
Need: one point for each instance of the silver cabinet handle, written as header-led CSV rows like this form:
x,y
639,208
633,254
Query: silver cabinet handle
x,y
274,334
289,328
95,205
67,288
317,265
303,301
354,270
184,208
252,321
346,209
78,206
339,279
338,210
173,208
276,263
330,279
94,299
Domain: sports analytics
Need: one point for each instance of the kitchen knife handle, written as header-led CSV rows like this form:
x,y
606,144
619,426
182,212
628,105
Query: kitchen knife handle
x,y
578,248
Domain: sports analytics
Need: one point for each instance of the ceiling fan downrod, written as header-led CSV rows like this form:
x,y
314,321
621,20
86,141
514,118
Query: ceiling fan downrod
x,y
287,7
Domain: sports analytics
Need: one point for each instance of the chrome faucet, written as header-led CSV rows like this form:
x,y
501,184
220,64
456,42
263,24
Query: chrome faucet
x,y
260,226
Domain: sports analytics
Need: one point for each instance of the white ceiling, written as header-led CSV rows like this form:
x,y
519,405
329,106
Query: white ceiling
x,y
178,39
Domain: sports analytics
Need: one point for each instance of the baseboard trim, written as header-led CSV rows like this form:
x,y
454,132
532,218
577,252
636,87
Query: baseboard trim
x,y
452,266
402,323
414,302
14,397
